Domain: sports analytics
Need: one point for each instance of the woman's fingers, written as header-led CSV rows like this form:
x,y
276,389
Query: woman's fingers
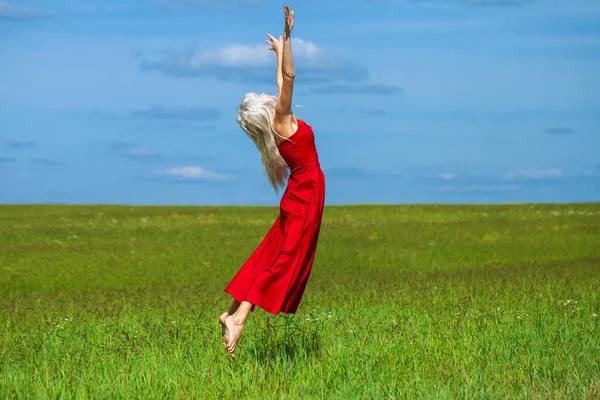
x,y
270,43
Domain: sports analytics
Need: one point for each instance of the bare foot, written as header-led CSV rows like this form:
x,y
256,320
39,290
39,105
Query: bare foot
x,y
235,329
224,330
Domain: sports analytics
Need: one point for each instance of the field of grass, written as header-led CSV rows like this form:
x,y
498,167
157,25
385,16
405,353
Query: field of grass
x,y
427,301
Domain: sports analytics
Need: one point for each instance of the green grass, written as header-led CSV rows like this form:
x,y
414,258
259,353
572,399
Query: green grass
x,y
428,301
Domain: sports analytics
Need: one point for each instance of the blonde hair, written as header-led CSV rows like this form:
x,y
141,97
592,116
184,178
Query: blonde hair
x,y
255,117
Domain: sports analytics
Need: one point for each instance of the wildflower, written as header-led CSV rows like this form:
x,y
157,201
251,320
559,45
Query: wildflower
x,y
594,315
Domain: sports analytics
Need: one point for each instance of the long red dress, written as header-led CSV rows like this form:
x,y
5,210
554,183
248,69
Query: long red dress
x,y
275,275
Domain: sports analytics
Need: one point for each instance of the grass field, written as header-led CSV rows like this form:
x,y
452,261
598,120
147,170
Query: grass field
x,y
486,302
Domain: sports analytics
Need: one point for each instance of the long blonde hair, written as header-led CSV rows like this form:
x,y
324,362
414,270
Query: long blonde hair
x,y
255,117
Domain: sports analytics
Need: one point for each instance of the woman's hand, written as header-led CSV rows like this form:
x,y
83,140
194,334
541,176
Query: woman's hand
x,y
274,43
289,21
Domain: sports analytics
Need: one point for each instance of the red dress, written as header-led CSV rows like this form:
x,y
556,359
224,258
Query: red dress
x,y
275,275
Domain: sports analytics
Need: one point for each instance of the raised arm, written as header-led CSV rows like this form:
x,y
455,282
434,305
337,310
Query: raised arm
x,y
283,110
276,47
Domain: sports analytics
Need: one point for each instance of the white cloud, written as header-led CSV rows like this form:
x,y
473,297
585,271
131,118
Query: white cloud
x,y
447,176
535,174
190,173
241,62
232,56
236,55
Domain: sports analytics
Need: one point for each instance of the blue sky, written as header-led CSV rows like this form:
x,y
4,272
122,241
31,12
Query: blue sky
x,y
411,101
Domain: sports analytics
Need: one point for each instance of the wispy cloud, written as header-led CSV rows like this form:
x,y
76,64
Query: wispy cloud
x,y
482,3
443,179
190,173
525,180
166,127
376,2
478,188
203,128
174,113
497,3
346,88
175,127
213,5
370,112
122,145
243,63
559,131
133,150
46,162
136,152
356,173
142,153
486,183
548,173
13,12
20,144
4,159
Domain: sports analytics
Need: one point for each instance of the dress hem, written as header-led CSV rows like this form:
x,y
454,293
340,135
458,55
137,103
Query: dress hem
x,y
241,299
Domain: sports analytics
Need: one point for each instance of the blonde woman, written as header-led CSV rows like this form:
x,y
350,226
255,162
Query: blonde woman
x,y
275,275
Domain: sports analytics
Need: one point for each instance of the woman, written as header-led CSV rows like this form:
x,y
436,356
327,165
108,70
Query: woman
x,y
275,275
